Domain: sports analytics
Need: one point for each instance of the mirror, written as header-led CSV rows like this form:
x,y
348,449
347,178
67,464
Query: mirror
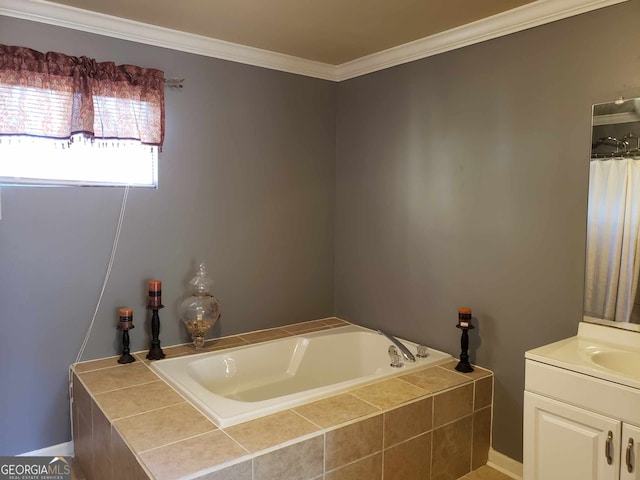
x,y
612,296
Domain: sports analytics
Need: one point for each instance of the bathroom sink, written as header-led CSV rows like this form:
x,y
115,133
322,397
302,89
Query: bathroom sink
x,y
623,362
599,351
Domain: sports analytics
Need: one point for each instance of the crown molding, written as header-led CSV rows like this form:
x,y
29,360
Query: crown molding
x,y
110,26
527,16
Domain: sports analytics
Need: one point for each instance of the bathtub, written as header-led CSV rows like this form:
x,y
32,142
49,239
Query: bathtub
x,y
239,384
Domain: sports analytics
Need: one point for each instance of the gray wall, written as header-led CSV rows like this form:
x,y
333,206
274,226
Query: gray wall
x,y
462,181
247,183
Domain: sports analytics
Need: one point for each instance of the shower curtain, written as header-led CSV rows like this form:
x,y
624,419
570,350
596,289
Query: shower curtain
x,y
613,239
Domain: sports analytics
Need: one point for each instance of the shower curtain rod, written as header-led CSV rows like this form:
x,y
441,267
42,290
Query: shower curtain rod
x,y
623,154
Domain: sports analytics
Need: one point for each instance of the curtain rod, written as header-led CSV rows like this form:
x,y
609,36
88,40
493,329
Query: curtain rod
x,y
173,82
621,154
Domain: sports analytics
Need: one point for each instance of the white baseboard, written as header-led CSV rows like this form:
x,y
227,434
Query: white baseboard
x,y
504,464
59,450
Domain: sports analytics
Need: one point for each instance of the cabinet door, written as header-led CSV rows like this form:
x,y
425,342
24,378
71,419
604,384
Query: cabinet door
x,y
563,442
630,451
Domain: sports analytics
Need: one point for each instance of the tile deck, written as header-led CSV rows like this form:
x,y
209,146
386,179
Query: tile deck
x,y
164,433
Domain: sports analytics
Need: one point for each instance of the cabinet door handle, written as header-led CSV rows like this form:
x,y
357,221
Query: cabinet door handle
x,y
608,447
628,455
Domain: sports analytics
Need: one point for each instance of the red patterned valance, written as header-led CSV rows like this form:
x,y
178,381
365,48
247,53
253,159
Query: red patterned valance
x,y
54,95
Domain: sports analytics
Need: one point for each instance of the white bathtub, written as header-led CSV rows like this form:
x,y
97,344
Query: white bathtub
x,y
242,383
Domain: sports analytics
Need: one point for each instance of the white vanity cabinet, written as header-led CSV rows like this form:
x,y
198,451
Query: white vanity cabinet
x,y
579,422
565,442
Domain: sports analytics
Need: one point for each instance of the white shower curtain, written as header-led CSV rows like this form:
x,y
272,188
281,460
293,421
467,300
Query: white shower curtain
x,y
613,239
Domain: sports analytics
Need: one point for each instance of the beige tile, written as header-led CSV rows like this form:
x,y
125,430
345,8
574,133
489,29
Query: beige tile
x,y
270,430
160,427
101,444
96,364
353,442
140,357
481,437
106,379
300,461
264,335
451,454
102,469
335,410
191,455
76,470
171,352
75,427
409,460
478,372
81,398
83,443
125,464
369,468
483,393
452,404
139,399
335,322
435,379
407,421
313,326
487,473
240,471
389,393
222,343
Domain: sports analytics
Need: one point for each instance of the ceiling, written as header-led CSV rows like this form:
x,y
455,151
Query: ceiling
x,y
328,31
329,39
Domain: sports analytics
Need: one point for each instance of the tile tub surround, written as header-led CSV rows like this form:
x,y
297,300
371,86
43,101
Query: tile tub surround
x,y
431,424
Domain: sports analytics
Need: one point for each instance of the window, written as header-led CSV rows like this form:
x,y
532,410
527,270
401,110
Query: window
x,y
43,162
73,121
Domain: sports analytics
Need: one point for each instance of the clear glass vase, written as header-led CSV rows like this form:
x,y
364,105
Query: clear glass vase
x,y
201,310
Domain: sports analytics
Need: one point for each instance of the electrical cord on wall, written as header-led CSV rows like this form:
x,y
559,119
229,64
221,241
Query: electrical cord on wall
x,y
114,248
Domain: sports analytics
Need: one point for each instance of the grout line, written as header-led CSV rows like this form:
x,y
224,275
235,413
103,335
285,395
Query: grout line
x,y
113,420
437,392
379,452
305,418
460,374
204,472
433,415
178,441
324,453
377,407
473,423
145,412
157,380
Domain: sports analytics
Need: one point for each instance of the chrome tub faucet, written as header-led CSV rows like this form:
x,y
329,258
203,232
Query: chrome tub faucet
x,y
409,357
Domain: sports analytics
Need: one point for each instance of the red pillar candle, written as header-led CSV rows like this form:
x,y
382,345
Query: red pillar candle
x,y
464,317
155,293
126,319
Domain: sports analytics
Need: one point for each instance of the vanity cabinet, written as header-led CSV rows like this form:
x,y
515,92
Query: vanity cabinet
x,y
565,442
577,426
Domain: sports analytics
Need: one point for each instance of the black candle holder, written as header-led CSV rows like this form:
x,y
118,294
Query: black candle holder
x,y
464,365
155,352
125,324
